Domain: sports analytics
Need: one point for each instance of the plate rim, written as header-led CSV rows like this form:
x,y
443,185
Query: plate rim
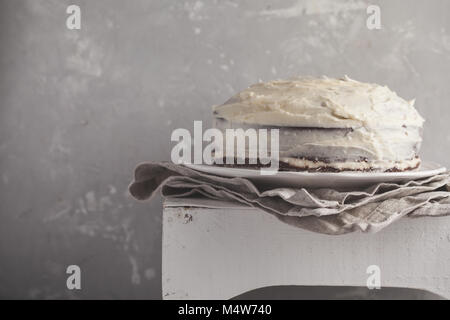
x,y
348,174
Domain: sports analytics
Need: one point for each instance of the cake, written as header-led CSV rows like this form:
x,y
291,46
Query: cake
x,y
328,124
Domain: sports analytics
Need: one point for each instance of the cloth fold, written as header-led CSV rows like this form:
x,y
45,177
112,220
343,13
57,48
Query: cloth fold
x,y
323,210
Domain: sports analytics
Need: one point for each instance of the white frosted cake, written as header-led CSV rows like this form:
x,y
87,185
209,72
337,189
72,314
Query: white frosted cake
x,y
328,124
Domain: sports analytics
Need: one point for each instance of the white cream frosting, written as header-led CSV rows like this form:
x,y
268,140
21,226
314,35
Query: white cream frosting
x,y
383,125
320,102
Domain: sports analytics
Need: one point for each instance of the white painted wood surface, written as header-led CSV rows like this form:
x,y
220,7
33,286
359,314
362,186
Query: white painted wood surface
x,y
218,253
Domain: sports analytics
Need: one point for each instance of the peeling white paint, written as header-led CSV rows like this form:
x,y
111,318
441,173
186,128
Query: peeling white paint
x,y
91,201
195,11
314,7
135,276
62,210
87,56
112,189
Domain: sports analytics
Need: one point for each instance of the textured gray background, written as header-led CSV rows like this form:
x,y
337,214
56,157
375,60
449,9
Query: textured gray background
x,y
79,109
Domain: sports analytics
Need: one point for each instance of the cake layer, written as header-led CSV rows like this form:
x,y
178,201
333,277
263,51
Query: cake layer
x,y
375,165
337,144
302,164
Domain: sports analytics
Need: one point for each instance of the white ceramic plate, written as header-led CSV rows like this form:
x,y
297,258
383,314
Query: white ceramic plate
x,y
337,180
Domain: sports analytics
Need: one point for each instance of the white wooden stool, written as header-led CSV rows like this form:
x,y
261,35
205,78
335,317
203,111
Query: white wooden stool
x,y
218,253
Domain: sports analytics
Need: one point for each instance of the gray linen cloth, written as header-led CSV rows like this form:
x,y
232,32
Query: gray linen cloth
x,y
324,210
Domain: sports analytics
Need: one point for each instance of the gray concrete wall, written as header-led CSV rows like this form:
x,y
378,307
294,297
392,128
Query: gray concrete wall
x,y
80,108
